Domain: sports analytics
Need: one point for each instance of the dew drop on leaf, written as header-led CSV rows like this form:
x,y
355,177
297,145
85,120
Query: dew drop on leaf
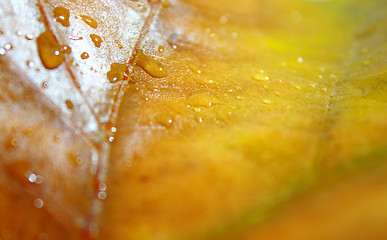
x,y
84,55
89,21
49,50
150,65
62,15
117,72
97,40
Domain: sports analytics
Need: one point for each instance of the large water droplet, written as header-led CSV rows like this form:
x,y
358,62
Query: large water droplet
x,y
150,65
62,15
49,50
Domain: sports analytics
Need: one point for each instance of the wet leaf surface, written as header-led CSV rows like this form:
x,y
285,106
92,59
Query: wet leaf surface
x,y
192,119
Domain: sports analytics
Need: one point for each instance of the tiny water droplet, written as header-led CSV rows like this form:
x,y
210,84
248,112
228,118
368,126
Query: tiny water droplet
x,y
84,55
62,15
66,49
44,84
30,64
29,36
194,68
14,142
38,203
278,93
297,87
32,178
19,33
102,187
223,19
300,60
150,65
48,49
89,21
111,139
102,195
160,49
69,104
266,101
260,77
113,129
97,40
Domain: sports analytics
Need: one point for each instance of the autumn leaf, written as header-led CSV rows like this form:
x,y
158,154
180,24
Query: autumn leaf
x,y
192,119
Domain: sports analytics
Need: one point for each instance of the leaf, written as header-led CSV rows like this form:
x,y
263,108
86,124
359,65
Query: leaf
x,y
218,116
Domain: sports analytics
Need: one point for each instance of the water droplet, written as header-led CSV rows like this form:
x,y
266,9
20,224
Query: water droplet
x,y
194,68
266,101
150,65
265,87
89,21
102,187
29,36
97,40
8,46
297,87
44,84
14,142
278,93
117,72
62,15
111,139
48,49
19,33
300,60
113,129
202,100
240,97
223,19
205,81
38,203
260,77
165,3
30,64
160,49
5,49
102,195
84,55
172,39
66,49
32,178
39,179
69,104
